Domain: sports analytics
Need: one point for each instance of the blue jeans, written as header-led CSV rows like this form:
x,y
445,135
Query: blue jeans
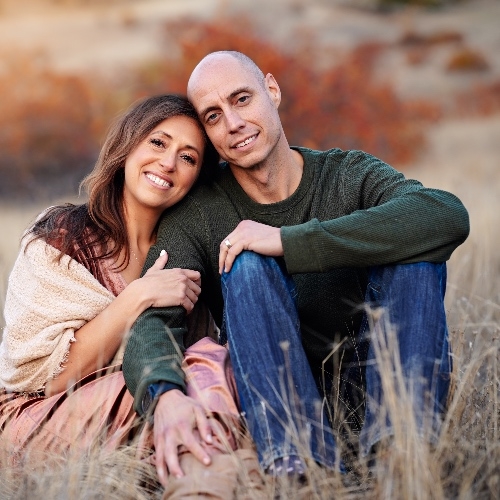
x,y
279,395
403,334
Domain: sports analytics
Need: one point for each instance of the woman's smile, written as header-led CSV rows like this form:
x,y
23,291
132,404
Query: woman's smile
x,y
159,181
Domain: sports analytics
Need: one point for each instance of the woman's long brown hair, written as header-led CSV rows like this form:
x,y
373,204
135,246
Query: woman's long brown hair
x,y
96,230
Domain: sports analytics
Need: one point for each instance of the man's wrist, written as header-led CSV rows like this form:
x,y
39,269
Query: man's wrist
x,y
153,393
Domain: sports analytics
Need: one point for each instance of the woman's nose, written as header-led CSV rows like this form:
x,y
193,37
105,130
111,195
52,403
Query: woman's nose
x,y
168,161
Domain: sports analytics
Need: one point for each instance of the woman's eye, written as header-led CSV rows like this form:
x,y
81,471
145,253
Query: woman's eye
x,y
189,159
157,142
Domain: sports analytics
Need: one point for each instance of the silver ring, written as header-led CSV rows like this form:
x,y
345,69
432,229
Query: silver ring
x,y
228,244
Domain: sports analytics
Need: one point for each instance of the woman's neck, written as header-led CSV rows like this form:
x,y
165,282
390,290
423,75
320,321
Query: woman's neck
x,y
141,234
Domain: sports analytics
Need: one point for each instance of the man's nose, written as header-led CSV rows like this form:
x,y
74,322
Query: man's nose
x,y
234,121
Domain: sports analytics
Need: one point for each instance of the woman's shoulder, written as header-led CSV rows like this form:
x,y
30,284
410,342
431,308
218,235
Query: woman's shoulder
x,y
60,216
60,225
70,230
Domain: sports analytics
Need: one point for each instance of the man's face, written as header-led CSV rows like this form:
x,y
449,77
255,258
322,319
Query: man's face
x,y
238,111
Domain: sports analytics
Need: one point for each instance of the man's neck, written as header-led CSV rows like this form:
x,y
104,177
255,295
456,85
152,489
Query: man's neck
x,y
273,180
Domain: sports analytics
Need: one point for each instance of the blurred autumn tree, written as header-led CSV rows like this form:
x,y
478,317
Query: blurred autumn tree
x,y
51,125
46,129
341,106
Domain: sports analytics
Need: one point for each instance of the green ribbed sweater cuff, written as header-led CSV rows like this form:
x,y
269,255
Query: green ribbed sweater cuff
x,y
164,358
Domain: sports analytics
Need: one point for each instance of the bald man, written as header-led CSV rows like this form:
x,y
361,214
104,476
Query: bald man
x,y
291,245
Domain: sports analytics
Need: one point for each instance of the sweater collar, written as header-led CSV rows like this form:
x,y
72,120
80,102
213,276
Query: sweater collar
x,y
242,198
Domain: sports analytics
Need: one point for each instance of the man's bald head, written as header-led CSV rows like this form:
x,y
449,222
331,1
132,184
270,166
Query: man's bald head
x,y
215,59
238,106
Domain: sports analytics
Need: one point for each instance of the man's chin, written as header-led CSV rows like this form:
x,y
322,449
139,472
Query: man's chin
x,y
249,161
247,167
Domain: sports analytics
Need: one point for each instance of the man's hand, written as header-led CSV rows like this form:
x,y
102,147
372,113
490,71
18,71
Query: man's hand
x,y
179,420
249,235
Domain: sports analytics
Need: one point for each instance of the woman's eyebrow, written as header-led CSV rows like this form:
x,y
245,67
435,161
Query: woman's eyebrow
x,y
187,146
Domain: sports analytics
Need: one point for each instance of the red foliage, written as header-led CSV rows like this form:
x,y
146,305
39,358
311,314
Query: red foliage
x,y
465,59
412,38
482,100
341,106
46,127
419,45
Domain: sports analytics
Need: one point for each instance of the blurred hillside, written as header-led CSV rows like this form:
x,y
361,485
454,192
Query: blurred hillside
x,y
352,77
418,85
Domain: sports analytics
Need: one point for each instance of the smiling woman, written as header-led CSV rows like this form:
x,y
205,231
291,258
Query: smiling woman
x,y
76,289
164,166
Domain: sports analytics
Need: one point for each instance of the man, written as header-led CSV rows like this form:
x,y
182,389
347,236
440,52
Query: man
x,y
290,243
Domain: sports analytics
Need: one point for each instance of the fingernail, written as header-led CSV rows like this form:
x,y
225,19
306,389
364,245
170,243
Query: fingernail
x,y
206,460
162,253
209,438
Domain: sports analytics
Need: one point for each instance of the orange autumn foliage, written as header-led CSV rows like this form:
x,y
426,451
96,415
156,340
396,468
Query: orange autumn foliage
x,y
341,106
46,128
51,125
482,100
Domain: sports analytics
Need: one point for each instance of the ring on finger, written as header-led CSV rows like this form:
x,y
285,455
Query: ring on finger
x,y
228,244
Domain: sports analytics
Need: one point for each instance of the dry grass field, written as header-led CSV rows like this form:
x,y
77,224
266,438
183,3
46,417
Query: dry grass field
x,y
462,155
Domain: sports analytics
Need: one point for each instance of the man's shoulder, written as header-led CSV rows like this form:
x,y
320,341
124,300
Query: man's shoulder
x,y
337,158
203,193
333,154
200,203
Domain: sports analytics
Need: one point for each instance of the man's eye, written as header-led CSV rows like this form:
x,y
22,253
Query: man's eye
x,y
243,98
157,142
211,117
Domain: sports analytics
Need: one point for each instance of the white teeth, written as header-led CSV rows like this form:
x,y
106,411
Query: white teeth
x,y
248,141
158,180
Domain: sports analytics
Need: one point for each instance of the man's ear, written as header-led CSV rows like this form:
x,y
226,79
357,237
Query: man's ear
x,y
273,89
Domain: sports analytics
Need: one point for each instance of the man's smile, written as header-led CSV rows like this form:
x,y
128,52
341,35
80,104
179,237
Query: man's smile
x,y
246,141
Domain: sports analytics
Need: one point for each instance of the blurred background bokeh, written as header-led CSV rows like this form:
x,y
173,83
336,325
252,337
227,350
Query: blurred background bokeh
x,y
416,83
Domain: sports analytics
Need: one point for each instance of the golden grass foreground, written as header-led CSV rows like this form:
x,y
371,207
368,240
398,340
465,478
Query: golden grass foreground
x,y
463,463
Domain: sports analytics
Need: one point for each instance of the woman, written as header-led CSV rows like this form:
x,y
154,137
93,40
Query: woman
x,y
75,290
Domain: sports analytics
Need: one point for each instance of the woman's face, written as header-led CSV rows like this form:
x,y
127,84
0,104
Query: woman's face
x,y
164,166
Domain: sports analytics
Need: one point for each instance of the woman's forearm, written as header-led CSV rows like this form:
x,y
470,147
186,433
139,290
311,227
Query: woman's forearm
x,y
99,339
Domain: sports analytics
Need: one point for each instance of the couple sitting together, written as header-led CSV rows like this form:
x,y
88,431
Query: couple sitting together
x,y
191,303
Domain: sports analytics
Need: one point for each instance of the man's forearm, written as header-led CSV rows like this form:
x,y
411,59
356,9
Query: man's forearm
x,y
426,225
154,351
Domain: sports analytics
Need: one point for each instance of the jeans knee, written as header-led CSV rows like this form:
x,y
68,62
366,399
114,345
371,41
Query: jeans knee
x,y
432,274
419,273
249,264
247,259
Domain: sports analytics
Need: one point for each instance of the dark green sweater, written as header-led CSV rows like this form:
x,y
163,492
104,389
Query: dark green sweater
x,y
349,212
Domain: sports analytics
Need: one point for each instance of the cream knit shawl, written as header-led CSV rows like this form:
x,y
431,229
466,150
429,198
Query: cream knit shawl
x,y
47,301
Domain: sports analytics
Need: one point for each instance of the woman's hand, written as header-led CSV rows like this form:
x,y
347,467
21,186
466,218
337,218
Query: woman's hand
x,y
249,235
99,339
170,287
179,421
